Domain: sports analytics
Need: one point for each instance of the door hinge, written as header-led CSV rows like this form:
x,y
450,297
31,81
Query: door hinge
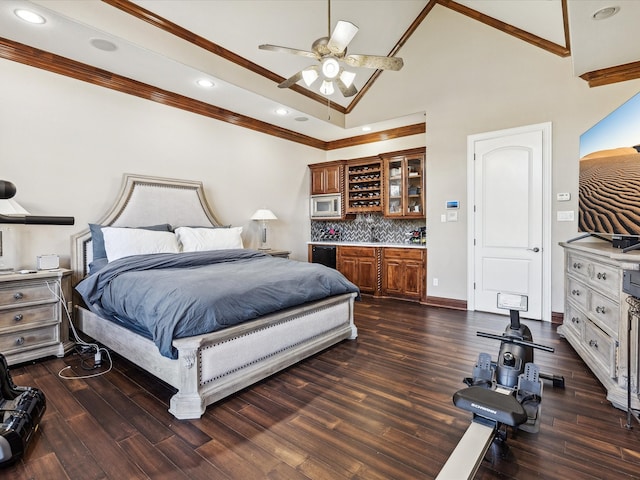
x,y
474,285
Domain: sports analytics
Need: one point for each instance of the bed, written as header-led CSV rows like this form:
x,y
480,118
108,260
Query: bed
x,y
209,366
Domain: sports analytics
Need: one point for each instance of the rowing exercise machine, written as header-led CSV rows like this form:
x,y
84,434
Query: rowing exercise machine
x,y
501,394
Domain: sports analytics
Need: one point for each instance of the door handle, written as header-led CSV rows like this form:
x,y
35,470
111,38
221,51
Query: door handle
x,y
534,249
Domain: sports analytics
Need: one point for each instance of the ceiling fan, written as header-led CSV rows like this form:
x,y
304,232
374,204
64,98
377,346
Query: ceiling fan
x,y
331,53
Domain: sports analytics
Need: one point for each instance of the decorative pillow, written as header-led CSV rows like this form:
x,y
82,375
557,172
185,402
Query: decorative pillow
x,y
124,242
97,239
198,239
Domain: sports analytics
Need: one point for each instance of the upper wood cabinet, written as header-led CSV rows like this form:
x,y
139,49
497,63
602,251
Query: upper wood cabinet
x,y
364,185
326,178
403,184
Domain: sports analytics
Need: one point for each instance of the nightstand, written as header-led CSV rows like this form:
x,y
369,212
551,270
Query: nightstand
x,y
33,320
277,253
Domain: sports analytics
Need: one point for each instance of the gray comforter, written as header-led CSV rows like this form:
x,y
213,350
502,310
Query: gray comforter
x,y
167,296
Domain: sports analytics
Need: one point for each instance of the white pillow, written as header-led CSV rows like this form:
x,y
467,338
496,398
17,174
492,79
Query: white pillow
x,y
199,239
123,242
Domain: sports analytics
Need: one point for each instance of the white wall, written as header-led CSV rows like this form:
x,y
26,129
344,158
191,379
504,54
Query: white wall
x,y
65,144
471,79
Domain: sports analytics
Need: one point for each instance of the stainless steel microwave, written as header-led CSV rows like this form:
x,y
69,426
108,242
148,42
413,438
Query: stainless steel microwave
x,y
326,207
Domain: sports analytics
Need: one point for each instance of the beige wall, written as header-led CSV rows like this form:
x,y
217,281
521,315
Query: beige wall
x,y
66,144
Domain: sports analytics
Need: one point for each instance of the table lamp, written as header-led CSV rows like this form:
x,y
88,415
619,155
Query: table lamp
x,y
264,215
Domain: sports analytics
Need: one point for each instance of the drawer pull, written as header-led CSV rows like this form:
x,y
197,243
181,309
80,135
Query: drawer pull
x,y
18,296
575,292
575,319
601,276
600,310
593,343
20,341
577,265
18,317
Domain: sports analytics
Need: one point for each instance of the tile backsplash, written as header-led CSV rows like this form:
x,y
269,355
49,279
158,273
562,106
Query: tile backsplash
x,y
366,228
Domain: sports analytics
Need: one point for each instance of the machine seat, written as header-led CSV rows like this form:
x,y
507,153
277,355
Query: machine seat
x,y
492,405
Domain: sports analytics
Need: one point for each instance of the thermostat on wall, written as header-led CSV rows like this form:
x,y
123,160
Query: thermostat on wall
x,y
48,262
453,204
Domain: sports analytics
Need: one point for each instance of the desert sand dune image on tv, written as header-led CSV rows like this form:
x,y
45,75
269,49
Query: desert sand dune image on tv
x,y
609,186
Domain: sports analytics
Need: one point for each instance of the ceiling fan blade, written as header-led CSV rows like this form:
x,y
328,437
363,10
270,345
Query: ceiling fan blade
x,y
291,80
341,36
373,61
349,91
294,51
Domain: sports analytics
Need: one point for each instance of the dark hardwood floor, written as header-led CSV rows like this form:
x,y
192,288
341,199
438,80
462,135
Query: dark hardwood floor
x,y
376,408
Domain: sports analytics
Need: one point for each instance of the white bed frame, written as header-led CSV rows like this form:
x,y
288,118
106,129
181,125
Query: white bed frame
x,y
212,366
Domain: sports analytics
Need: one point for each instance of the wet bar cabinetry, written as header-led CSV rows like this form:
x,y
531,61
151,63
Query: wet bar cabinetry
x,y
384,271
327,177
364,185
404,181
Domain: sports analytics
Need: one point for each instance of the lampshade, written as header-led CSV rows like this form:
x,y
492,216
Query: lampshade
x,y
264,214
11,207
326,88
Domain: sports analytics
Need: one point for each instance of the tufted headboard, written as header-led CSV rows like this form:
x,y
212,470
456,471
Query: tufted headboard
x,y
145,200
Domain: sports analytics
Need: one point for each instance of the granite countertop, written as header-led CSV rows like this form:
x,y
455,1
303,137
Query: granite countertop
x,y
368,244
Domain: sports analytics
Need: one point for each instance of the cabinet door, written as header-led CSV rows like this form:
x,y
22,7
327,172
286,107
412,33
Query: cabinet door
x,y
392,277
413,279
349,268
332,179
394,187
367,275
404,186
317,181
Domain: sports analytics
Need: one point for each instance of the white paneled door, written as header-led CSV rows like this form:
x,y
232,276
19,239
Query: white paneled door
x,y
508,235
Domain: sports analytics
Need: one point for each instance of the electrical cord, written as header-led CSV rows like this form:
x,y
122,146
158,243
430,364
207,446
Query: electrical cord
x,y
82,346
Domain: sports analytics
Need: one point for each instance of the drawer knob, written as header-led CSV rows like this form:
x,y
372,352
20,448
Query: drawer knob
x,y
575,292
18,317
20,341
593,343
575,319
18,296
577,265
600,310
601,276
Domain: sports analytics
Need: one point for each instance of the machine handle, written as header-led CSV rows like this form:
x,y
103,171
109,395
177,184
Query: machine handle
x,y
515,341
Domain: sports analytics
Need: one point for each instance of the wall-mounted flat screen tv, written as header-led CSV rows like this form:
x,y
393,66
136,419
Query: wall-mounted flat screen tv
x,y
609,187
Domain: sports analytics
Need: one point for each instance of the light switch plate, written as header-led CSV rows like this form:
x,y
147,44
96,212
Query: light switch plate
x,y
563,197
565,216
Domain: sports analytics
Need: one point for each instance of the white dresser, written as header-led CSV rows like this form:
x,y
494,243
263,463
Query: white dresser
x,y
33,321
596,315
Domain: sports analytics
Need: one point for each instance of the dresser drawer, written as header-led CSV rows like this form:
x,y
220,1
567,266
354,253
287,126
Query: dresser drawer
x,y
26,339
577,265
575,320
605,313
606,279
24,317
578,292
23,293
601,347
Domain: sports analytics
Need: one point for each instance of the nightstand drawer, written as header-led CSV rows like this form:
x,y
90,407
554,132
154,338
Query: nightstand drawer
x,y
577,292
27,339
16,294
24,317
604,313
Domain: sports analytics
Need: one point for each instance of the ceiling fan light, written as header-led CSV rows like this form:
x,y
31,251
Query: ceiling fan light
x,y
326,88
309,76
330,68
347,78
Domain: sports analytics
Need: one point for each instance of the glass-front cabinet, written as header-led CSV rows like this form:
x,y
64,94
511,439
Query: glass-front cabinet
x,y
404,185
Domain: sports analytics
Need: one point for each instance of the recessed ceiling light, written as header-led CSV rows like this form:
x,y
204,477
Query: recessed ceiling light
x,y
366,128
606,12
301,119
282,111
104,45
29,16
205,82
